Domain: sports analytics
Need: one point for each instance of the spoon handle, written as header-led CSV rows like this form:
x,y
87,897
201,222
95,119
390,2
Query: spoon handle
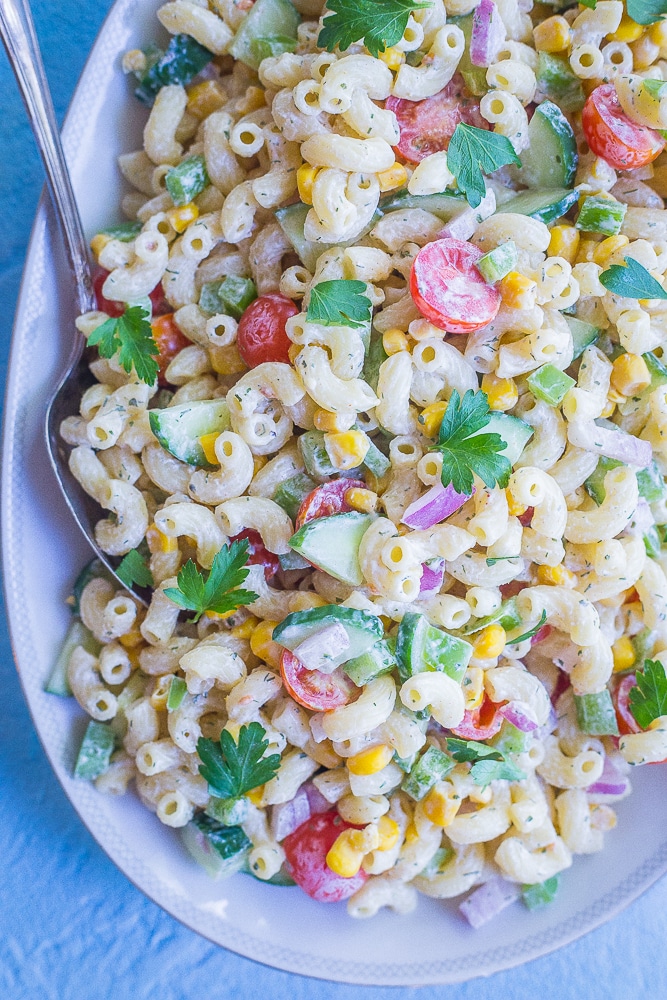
x,y
19,38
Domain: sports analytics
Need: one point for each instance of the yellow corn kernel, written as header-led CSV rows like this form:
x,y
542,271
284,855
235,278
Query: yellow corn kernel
x,y
490,642
219,615
180,218
333,423
246,628
131,639
388,831
502,393
98,243
473,688
305,178
609,408
346,450
294,351
586,250
624,654
161,692
255,795
627,31
362,500
514,508
305,600
604,250
430,418
395,177
564,243
440,806
393,341
157,542
371,760
258,462
517,291
411,834
205,98
227,360
630,374
342,858
556,576
391,57
207,442
263,645
365,840
658,34
552,35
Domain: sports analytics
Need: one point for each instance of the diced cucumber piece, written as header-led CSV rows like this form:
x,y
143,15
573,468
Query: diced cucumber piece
x,y
376,462
507,615
187,180
642,644
363,628
332,544
420,646
657,370
266,19
179,428
220,850
498,262
515,433
377,660
229,812
594,485
231,296
291,561
183,59
652,542
445,205
651,483
176,694
595,714
583,334
545,206
550,160
272,45
438,862
542,893
123,231
281,878
375,357
291,494
559,83
95,753
510,739
550,384
474,77
292,219
432,766
77,635
601,215
315,456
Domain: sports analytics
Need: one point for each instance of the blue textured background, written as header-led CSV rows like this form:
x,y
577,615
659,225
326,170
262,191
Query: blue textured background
x,y
71,926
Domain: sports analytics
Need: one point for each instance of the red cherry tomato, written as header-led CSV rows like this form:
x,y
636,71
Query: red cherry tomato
x,y
612,135
261,334
169,340
449,290
115,309
312,688
306,850
327,499
527,516
427,126
512,588
258,554
621,699
481,723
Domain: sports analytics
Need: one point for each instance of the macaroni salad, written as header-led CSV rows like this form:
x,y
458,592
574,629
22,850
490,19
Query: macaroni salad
x,y
378,420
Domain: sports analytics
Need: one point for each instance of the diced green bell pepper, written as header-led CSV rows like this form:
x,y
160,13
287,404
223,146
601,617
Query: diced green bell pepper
x,y
550,384
187,180
96,748
432,766
595,714
231,296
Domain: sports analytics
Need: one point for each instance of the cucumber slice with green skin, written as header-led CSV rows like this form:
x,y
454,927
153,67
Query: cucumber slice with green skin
x,y
315,456
220,850
292,219
376,462
545,206
375,357
650,481
595,714
229,812
550,160
542,893
510,739
291,561
96,748
77,635
363,629
583,335
515,433
445,205
474,76
557,81
291,494
179,428
267,18
281,878
376,661
332,544
657,370
420,646
507,615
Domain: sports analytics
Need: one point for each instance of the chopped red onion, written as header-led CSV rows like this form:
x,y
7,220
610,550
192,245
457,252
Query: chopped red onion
x,y
462,226
488,34
433,573
321,651
610,783
520,715
434,506
489,900
317,802
541,634
287,816
612,443
642,519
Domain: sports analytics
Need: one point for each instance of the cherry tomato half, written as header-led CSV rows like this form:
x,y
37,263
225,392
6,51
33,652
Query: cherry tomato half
x,y
621,699
312,688
115,309
327,499
612,135
258,554
261,334
306,850
482,723
170,342
427,126
448,289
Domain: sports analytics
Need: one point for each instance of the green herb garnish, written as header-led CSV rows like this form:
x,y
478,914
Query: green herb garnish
x,y
648,701
380,23
219,590
339,303
131,336
488,763
474,152
632,281
133,569
464,451
232,769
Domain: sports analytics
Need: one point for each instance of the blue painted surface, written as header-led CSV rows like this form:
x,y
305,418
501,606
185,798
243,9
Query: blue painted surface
x,y
71,926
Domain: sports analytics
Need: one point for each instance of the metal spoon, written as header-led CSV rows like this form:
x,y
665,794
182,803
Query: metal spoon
x,y
19,38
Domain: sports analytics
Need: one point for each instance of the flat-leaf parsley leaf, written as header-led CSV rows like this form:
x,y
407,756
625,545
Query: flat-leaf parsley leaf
x,y
130,335
464,451
488,763
632,281
646,11
648,701
133,569
474,152
339,303
380,23
219,590
232,769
